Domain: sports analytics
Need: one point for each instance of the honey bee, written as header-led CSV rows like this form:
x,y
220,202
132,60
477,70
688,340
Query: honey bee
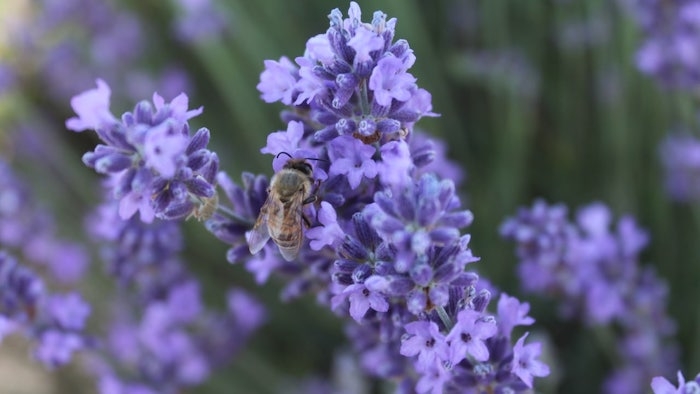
x,y
281,215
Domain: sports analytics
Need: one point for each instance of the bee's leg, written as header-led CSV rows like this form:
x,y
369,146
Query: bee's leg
x,y
306,220
309,200
316,186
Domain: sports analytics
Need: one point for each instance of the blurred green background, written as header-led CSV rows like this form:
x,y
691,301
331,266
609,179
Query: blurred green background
x,y
537,99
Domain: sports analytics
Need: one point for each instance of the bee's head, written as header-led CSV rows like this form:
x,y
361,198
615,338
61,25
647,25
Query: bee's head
x,y
300,165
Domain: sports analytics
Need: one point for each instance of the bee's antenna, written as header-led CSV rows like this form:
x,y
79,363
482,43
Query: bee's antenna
x,y
306,158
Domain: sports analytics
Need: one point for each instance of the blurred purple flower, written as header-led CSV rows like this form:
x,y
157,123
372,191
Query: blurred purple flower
x,y
506,69
56,348
131,248
199,20
72,42
595,273
27,229
671,32
7,79
69,311
160,327
680,157
55,322
247,311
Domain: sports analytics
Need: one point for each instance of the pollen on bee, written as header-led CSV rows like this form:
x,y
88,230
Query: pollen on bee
x,y
205,208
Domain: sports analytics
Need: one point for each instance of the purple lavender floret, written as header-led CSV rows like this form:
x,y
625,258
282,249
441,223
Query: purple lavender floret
x,y
661,385
595,273
157,167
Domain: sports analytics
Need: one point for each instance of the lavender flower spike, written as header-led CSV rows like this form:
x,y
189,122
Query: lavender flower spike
x,y
156,166
29,231
160,327
594,272
55,322
385,244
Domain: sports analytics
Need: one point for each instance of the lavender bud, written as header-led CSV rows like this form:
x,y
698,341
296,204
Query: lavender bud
x,y
481,300
345,266
199,141
342,278
326,134
399,285
421,274
353,249
361,273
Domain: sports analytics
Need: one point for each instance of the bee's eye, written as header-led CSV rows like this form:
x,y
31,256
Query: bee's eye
x,y
307,169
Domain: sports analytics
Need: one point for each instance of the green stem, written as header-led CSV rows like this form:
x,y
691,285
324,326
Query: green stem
x,y
364,99
605,339
444,318
226,211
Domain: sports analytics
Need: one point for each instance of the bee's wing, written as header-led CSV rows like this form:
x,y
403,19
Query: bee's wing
x,y
290,236
258,236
